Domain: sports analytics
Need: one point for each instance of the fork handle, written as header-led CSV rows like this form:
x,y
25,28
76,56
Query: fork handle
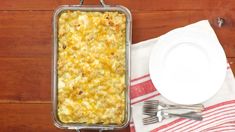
x,y
195,107
190,115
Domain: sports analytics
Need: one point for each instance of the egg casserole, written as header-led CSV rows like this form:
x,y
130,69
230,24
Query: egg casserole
x,y
91,67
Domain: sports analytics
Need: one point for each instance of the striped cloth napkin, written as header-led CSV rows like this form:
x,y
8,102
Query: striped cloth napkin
x,y
219,114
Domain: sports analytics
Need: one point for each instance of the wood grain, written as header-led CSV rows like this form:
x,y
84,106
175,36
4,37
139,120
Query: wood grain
x,y
25,48
25,33
141,5
28,33
28,80
26,117
25,79
29,117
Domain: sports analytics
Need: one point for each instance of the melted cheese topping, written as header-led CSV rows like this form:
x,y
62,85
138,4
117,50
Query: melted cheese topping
x,y
91,67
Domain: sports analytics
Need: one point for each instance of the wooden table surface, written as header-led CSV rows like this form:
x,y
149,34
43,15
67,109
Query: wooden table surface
x,y
25,48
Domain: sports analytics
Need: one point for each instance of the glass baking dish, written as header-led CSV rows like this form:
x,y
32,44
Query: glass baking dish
x,y
91,8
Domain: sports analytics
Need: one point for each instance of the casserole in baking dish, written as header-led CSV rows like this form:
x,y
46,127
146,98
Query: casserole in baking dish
x,y
91,66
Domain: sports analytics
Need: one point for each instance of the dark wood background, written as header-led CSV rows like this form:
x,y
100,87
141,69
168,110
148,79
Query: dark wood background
x,y
25,48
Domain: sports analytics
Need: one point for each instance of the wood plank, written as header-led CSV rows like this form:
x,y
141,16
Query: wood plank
x,y
25,79
25,55
28,80
28,33
159,23
25,33
30,117
26,117
149,5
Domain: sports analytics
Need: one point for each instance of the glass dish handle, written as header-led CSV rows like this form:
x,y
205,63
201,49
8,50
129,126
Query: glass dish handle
x,y
101,2
100,130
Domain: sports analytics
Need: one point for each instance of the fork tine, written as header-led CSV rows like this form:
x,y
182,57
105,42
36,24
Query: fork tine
x,y
150,120
150,104
154,110
149,113
150,110
150,107
152,101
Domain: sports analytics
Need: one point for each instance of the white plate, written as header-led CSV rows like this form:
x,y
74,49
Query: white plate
x,y
186,70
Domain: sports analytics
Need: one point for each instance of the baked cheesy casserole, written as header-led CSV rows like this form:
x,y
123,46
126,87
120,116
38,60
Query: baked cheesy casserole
x,y
91,67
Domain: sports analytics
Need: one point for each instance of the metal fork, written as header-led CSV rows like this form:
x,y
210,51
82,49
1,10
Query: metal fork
x,y
164,115
151,107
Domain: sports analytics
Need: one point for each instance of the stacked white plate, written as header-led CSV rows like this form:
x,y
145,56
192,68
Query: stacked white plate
x,y
188,65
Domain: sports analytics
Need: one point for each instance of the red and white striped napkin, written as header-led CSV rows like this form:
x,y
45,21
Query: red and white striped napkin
x,y
219,114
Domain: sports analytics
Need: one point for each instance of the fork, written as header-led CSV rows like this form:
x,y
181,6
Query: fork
x,y
164,115
151,107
